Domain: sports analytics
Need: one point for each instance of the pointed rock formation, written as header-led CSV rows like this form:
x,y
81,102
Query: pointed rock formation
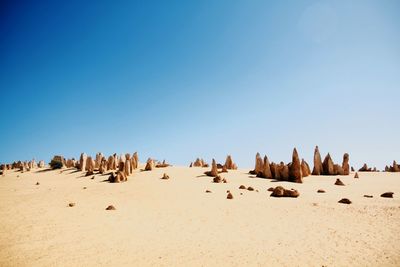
x,y
295,174
127,168
266,172
356,175
214,170
41,164
229,196
318,169
82,162
136,157
165,176
327,165
258,166
395,167
305,168
345,164
99,157
339,182
229,164
224,169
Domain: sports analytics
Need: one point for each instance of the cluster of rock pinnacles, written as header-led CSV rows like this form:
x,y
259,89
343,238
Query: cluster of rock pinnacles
x,y
23,165
296,169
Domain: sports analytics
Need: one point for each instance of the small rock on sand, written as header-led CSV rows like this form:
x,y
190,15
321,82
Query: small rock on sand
x,y
356,175
165,177
321,191
242,187
208,191
250,188
387,195
368,196
229,196
345,201
111,207
271,189
37,183
339,182
71,204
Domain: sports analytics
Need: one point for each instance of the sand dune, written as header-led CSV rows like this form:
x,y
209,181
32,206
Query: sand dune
x,y
175,223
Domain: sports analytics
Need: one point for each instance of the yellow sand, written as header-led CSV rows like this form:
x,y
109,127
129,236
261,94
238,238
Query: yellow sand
x,y
175,223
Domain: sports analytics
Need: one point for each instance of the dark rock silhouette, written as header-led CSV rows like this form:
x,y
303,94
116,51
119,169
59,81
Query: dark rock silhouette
x,y
339,182
345,201
387,195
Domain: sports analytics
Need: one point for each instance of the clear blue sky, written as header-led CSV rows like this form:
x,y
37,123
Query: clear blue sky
x,y
186,79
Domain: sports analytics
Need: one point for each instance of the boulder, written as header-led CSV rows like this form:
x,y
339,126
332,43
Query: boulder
x,y
279,191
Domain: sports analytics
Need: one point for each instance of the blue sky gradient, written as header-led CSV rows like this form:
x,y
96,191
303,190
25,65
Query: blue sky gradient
x,y
186,79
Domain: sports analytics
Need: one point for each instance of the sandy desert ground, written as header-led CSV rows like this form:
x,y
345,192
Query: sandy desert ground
x,y
175,223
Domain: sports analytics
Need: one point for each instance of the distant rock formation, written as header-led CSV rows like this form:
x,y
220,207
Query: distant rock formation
x,y
82,162
229,164
149,165
214,170
162,164
394,168
365,168
199,163
328,167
